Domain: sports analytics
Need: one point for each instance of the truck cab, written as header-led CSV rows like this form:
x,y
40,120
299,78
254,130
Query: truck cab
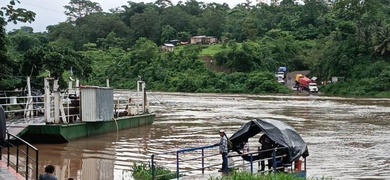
x,y
313,87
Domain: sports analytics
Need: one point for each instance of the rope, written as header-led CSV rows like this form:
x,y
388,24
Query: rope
x,y
159,101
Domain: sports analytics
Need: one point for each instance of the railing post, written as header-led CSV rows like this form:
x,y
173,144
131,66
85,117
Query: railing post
x,y
274,160
177,164
153,170
202,160
8,140
17,157
27,158
251,163
36,164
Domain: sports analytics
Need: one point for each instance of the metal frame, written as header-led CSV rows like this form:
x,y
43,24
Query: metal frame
x,y
17,141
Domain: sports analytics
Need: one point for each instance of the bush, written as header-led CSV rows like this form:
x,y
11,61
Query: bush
x,y
144,172
241,175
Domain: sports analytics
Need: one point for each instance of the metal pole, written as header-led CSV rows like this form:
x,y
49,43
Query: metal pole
x,y
274,160
17,157
8,140
251,163
29,106
137,101
177,164
36,164
56,102
153,170
108,82
27,158
143,97
202,161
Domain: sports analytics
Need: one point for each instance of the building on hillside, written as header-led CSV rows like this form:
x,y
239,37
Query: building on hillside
x,y
203,40
168,47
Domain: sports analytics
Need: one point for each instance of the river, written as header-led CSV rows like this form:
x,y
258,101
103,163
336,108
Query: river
x,y
348,138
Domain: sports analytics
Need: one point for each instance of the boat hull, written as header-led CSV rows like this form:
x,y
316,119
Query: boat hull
x,y
62,133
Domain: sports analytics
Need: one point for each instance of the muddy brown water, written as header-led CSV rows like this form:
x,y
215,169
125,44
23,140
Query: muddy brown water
x,y
347,138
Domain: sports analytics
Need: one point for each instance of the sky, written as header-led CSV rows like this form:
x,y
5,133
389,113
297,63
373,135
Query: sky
x,y
51,12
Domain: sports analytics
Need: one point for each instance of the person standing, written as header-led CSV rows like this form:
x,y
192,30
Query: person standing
x,y
266,147
223,150
49,170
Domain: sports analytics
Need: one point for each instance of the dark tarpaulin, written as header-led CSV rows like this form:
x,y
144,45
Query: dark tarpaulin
x,y
278,131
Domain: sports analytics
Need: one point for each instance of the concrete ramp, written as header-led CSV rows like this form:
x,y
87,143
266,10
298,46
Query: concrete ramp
x,y
18,130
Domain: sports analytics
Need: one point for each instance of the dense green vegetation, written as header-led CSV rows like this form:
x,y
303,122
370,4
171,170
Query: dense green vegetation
x,y
242,175
143,172
348,38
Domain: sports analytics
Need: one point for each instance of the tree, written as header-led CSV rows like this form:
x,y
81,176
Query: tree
x,y
168,33
81,8
10,14
147,25
55,60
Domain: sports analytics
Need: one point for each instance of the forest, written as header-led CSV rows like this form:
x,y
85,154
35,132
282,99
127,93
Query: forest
x,y
349,39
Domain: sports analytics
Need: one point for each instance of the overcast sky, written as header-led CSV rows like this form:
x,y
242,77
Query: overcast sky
x,y
50,12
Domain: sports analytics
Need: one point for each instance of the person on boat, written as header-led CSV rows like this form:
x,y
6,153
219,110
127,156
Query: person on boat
x,y
49,170
266,145
223,150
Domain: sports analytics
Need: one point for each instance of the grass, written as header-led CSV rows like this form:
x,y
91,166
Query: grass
x,y
207,50
144,172
211,50
240,175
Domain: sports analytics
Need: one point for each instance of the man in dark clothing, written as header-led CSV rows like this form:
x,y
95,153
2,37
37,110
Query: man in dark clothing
x,y
266,146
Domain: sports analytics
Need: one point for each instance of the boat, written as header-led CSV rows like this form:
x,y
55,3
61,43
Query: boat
x,y
79,112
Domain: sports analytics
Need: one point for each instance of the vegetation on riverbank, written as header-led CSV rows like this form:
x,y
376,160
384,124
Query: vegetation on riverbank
x,y
142,171
248,176
346,39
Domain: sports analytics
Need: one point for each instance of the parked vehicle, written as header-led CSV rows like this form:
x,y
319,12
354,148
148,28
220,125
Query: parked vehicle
x,y
284,71
281,75
305,83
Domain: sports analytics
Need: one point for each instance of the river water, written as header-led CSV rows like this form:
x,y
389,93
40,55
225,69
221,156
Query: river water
x,y
347,138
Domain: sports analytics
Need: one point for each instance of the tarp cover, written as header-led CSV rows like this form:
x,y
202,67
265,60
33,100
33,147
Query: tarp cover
x,y
278,131
284,69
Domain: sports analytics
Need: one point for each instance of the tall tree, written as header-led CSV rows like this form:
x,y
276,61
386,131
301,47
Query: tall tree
x,y
81,8
10,14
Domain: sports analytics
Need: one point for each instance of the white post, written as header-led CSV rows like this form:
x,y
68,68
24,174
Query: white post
x,y
47,100
143,97
29,106
138,91
108,82
77,88
56,102
70,85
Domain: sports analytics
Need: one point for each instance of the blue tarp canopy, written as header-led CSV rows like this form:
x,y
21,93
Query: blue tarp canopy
x,y
278,131
284,69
